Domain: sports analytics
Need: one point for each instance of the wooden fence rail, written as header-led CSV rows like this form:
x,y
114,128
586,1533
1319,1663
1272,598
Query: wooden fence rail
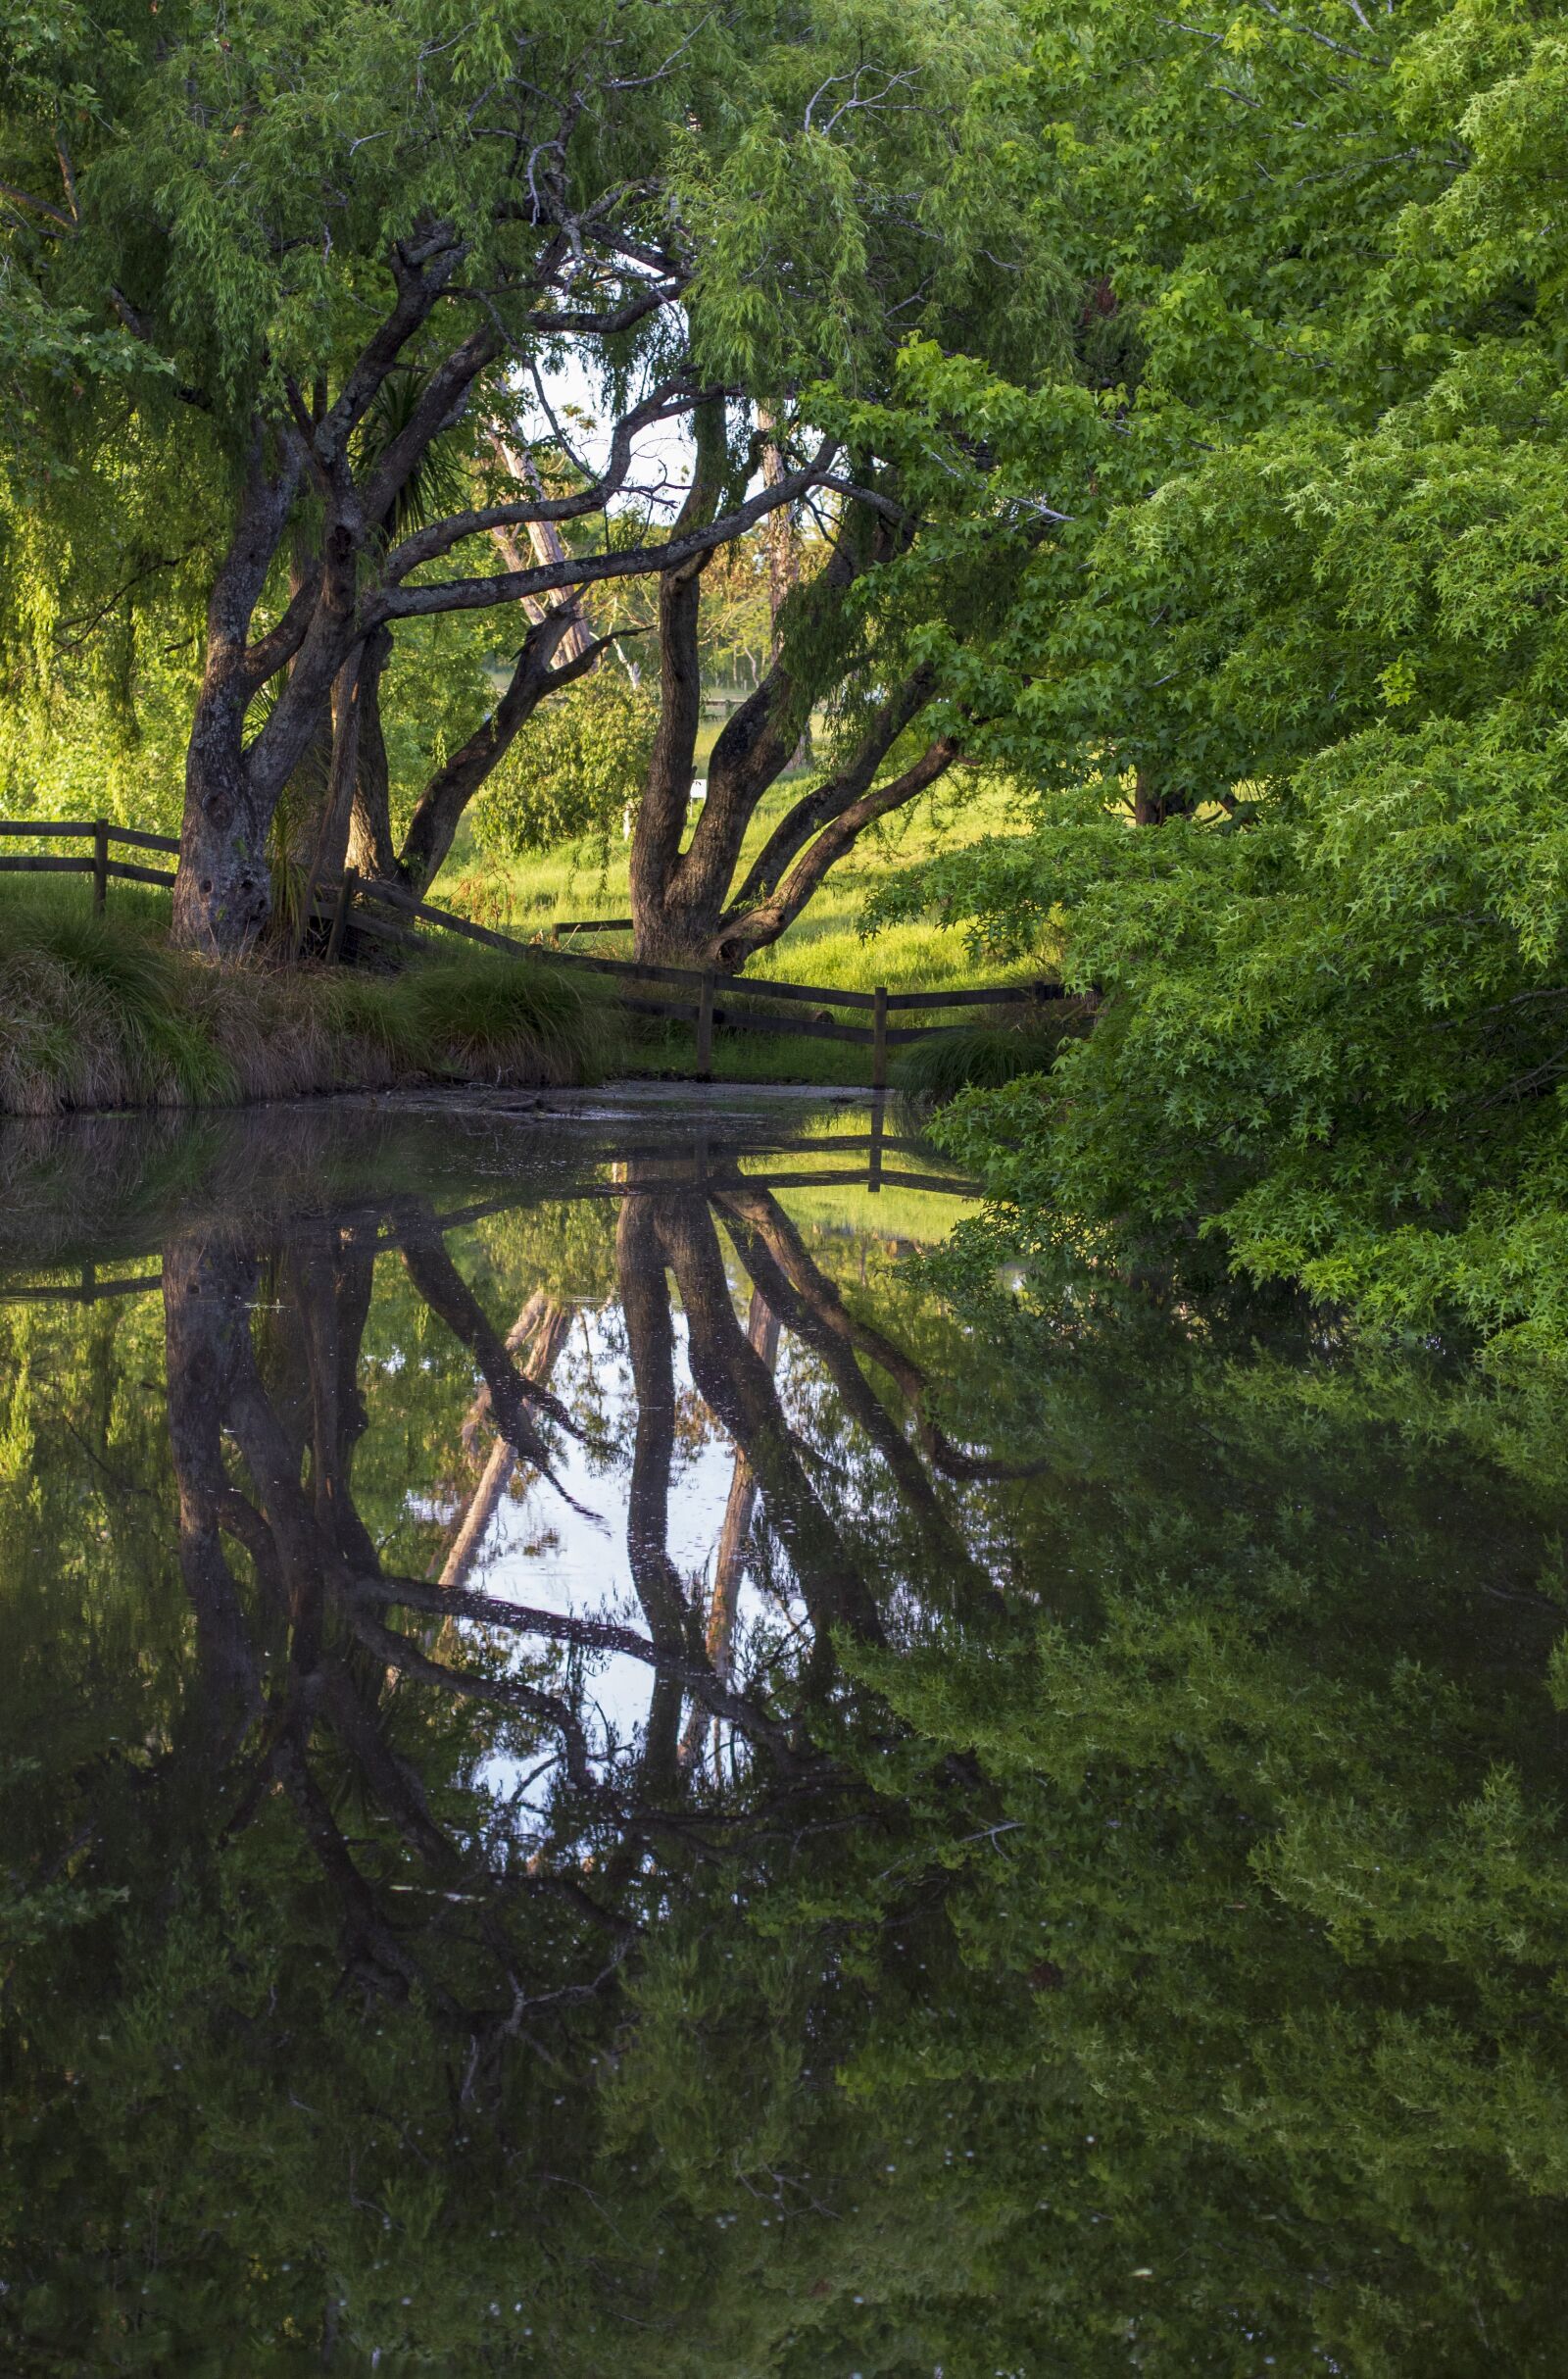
x,y
716,995
712,998
99,866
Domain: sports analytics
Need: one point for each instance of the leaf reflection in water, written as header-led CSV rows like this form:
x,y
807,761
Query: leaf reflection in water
x,y
593,1782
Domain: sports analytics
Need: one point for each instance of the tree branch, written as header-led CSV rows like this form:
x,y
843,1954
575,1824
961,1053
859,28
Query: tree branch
x,y
452,786
740,936
440,537
638,561
39,206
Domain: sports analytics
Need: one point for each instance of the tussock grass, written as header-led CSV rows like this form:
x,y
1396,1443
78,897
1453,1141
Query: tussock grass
x,y
100,1013
977,1056
499,1018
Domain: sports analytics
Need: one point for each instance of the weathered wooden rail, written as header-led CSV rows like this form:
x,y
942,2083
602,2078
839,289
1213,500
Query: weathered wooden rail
x,y
710,999
97,862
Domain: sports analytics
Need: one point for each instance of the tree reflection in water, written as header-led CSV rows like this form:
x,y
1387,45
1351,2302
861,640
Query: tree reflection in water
x,y
1081,1895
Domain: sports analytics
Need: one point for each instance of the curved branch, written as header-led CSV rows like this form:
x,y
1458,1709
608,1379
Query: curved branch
x,y
739,937
828,801
637,561
450,790
428,544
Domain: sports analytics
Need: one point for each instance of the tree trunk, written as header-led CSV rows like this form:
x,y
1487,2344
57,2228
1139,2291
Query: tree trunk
x,y
222,886
683,907
371,849
1153,803
547,544
441,805
331,841
671,913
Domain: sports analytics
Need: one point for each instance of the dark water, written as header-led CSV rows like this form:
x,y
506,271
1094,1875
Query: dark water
x,y
599,1779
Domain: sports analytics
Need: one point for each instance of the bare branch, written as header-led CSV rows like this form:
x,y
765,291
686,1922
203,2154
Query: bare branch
x,y
428,544
421,270
39,206
1341,49
893,80
637,561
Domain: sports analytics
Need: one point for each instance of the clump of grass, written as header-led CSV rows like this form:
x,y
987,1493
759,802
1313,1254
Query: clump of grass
x,y
100,1012
976,1056
506,1019
93,1013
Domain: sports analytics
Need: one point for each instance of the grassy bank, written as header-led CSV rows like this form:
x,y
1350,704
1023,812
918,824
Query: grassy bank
x,y
101,1013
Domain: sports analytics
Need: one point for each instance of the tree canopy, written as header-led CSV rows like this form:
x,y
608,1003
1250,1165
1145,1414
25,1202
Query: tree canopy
x,y
321,273
1304,620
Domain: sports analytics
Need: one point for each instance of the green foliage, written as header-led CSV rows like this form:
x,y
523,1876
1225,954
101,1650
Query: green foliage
x,y
477,1015
1304,610
576,767
94,1012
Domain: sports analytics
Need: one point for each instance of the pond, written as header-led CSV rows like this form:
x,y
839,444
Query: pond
x,y
612,1762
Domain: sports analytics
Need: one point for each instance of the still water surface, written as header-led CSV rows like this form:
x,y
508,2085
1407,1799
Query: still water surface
x,y
599,1779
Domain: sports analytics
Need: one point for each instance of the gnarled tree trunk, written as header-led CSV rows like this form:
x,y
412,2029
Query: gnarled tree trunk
x,y
686,908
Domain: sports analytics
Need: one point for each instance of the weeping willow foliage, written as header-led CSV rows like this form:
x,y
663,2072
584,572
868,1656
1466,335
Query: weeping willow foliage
x,y
576,769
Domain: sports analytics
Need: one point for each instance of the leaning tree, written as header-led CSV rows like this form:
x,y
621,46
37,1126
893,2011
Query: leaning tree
x,y
313,250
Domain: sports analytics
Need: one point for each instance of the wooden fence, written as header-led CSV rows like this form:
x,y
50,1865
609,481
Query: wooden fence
x,y
707,999
97,862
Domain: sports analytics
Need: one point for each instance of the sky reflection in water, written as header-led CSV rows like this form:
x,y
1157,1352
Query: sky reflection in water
x,y
602,1776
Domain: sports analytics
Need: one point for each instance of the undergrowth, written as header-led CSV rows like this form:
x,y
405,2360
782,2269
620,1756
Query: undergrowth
x,y
100,1012
978,1057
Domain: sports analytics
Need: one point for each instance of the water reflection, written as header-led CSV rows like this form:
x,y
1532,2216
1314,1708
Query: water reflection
x,y
597,1778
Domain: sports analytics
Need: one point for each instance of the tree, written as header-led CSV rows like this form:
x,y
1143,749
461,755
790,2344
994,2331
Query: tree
x,y
298,216
1307,621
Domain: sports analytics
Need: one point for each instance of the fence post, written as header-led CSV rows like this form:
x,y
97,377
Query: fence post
x,y
100,864
879,1043
873,1170
705,1031
340,915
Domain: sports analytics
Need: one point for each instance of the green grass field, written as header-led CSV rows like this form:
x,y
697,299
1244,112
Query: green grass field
x,y
824,946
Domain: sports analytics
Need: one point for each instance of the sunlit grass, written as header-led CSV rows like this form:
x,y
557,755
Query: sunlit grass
x,y
825,945
101,1012
279,1036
